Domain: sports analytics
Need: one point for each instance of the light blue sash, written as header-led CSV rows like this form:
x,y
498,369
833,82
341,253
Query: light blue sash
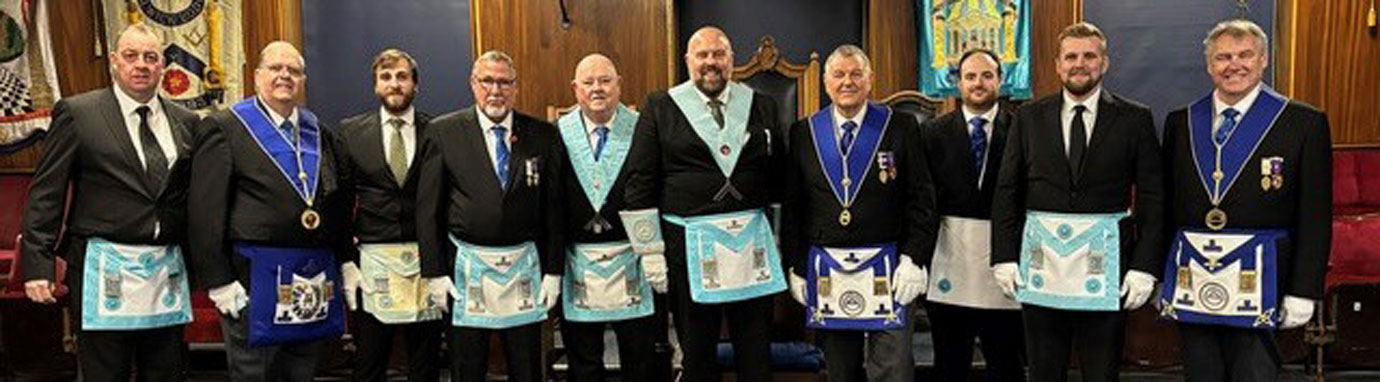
x,y
1223,277
500,287
724,144
730,256
133,287
604,282
1071,261
597,175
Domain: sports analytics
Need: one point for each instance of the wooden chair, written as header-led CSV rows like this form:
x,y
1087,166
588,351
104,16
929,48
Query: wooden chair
x,y
794,87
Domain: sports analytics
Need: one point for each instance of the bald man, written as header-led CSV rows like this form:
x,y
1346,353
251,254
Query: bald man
x,y
119,156
705,164
605,283
272,224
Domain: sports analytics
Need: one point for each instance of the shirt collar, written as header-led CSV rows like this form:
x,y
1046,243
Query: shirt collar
x,y
990,115
857,118
590,125
723,95
1241,106
128,104
1090,102
278,119
408,116
485,123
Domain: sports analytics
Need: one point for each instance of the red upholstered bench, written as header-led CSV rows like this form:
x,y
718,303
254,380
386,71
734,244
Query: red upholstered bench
x,y
1351,301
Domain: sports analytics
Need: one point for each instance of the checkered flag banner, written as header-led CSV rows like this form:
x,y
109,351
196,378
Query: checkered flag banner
x,y
28,79
204,47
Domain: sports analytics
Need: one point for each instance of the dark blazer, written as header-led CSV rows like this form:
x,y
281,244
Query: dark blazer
x,y
89,152
948,151
459,194
1303,206
1122,163
900,210
384,211
240,195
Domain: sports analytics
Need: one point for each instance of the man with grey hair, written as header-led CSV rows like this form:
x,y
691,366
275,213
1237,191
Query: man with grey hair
x,y
272,224
858,225
119,158
705,159
490,202
1251,246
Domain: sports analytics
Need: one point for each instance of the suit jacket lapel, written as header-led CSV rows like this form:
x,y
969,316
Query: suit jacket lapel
x,y
479,151
377,155
996,142
516,150
1107,109
963,137
116,122
1054,139
419,123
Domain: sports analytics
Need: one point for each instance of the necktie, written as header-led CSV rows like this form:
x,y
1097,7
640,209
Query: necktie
x,y
603,133
397,152
501,155
979,142
847,141
286,128
716,107
1226,127
155,163
1078,140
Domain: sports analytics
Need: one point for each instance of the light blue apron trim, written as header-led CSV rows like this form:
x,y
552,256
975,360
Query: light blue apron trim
x,y
626,262
375,266
700,237
99,250
526,266
734,134
1264,315
1104,236
597,176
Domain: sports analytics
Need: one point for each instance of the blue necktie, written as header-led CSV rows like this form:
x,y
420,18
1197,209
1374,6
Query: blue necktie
x,y
286,127
501,155
1228,125
847,140
603,133
978,136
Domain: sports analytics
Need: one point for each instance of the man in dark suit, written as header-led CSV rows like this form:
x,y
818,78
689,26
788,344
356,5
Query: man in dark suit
x,y
271,213
1249,248
1063,241
706,157
381,147
964,152
490,202
856,210
123,154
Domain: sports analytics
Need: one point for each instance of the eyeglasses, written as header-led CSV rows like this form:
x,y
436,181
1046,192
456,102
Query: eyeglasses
x,y
148,57
294,71
496,83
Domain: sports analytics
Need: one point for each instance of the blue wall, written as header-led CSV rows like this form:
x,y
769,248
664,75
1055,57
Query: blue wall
x,y
341,38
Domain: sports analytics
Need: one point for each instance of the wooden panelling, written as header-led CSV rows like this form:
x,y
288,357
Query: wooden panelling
x,y
638,36
1050,18
1336,66
265,21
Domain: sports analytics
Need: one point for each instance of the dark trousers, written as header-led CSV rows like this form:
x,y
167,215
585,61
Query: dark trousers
x,y
1220,353
955,327
637,355
698,325
153,354
290,362
880,356
374,340
1052,334
469,358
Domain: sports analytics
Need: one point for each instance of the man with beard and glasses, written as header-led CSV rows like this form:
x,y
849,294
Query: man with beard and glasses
x,y
857,226
381,147
490,223
964,152
1067,240
604,282
705,165
271,213
119,159
1268,232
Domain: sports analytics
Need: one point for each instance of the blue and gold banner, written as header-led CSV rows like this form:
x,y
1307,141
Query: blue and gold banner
x,y
203,49
949,28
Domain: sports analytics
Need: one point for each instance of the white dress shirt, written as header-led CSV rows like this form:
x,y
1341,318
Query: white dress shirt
x,y
485,128
409,133
1089,116
1241,107
158,122
839,119
278,119
590,126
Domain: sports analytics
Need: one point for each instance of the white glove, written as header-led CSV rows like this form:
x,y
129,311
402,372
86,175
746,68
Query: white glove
x,y
40,291
1008,278
1136,289
229,298
350,277
438,288
1297,311
797,288
910,280
654,268
550,290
